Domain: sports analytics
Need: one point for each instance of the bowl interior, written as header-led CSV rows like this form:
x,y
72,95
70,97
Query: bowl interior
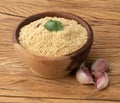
x,y
57,14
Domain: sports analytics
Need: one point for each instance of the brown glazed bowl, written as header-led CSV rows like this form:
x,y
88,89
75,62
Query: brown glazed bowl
x,y
53,67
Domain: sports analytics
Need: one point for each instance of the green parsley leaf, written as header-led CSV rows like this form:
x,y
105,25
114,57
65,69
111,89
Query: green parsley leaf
x,y
53,25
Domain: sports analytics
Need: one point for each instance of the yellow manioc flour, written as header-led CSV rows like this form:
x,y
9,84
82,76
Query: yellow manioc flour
x,y
37,39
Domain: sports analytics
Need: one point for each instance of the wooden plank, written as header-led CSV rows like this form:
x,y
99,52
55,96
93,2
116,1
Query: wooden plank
x,y
102,47
27,85
45,100
85,8
17,80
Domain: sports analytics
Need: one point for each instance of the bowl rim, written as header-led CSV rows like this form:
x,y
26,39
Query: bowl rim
x,y
53,13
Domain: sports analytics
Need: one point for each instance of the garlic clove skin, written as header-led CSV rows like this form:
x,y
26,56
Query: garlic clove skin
x,y
83,75
100,65
102,79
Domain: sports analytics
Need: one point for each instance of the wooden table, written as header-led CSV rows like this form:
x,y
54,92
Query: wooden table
x,y
19,85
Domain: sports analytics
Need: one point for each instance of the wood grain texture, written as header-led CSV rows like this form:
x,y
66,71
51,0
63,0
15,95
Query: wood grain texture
x,y
19,85
45,100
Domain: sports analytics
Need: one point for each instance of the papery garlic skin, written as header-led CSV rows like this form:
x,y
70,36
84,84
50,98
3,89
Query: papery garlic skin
x,y
102,80
84,76
100,65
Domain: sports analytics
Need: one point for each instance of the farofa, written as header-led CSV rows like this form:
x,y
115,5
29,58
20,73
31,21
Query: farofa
x,y
37,39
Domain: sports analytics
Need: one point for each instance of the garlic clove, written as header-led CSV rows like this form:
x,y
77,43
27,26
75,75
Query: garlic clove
x,y
102,79
100,65
83,75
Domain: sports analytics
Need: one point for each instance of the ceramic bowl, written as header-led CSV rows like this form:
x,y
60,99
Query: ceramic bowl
x,y
53,67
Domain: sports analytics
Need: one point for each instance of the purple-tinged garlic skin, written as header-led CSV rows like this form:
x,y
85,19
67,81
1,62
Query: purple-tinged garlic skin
x,y
102,79
84,76
100,65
